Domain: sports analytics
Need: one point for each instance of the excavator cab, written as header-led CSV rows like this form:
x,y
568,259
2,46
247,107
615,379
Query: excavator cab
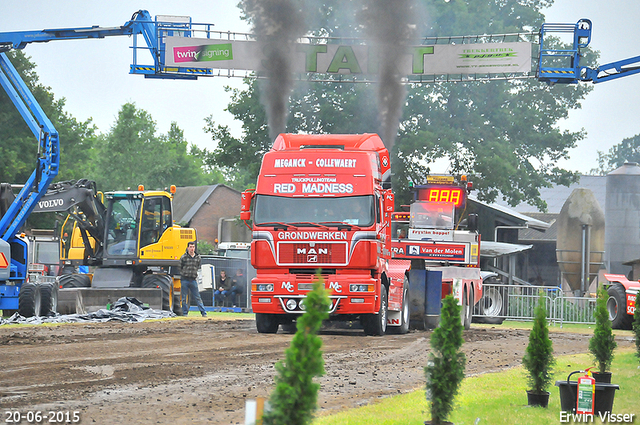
x,y
139,228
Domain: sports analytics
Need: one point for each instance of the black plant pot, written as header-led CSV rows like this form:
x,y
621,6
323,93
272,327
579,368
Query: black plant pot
x,y
603,397
602,377
538,399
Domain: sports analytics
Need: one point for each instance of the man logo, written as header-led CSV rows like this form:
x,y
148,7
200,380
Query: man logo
x,y
288,286
335,286
312,251
312,258
414,250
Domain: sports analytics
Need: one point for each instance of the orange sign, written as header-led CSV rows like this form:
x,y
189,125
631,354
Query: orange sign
x,y
3,261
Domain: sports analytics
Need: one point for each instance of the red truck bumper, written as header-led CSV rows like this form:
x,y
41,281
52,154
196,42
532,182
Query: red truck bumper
x,y
283,294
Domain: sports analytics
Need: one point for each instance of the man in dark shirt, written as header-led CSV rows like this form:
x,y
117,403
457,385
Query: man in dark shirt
x,y
189,266
238,286
223,287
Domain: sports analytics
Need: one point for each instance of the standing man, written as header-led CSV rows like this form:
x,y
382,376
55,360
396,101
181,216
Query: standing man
x,y
189,266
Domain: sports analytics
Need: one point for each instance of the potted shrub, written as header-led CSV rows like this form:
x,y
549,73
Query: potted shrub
x,y
445,369
602,343
294,400
538,358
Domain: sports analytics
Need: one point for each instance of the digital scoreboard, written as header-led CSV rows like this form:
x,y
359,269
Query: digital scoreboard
x,y
440,193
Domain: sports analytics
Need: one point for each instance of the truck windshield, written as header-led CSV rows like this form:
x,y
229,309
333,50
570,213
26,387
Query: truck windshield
x,y
353,210
123,231
432,215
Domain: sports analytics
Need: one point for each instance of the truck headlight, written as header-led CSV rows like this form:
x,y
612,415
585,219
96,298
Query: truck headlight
x,y
358,288
291,304
264,287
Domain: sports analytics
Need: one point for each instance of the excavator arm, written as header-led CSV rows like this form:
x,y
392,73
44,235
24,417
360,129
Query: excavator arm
x,y
81,200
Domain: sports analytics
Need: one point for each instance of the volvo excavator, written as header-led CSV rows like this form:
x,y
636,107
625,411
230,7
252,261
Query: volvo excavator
x,y
128,239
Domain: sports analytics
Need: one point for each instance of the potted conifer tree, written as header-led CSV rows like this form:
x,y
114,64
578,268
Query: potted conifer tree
x,y
445,369
294,400
538,358
602,343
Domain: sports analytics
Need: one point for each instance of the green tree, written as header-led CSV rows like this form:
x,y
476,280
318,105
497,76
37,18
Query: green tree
x,y
602,343
132,154
626,151
445,370
538,358
18,145
233,154
294,399
126,152
502,133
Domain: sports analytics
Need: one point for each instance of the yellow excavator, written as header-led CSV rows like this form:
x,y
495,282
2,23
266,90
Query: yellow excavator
x,y
128,241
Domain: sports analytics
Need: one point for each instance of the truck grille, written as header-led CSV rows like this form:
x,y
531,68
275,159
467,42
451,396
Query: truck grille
x,y
312,253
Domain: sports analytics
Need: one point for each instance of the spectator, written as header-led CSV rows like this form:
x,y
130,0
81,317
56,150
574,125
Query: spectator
x,y
189,266
238,283
222,288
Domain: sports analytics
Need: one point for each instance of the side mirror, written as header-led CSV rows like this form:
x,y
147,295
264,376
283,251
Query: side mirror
x,y
245,204
388,201
472,222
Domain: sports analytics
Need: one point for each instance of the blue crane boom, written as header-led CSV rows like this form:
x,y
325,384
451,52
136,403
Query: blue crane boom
x,y
14,247
563,66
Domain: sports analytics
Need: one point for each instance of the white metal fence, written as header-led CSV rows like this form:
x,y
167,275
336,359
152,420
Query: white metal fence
x,y
517,302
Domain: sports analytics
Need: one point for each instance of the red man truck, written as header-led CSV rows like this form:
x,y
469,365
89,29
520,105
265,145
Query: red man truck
x,y
320,204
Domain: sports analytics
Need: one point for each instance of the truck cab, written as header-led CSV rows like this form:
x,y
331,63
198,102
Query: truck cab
x,y
320,209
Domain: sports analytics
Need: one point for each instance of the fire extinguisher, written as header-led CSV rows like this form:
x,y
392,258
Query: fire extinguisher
x,y
586,394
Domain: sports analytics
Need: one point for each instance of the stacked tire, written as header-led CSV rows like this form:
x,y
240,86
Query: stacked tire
x,y
38,299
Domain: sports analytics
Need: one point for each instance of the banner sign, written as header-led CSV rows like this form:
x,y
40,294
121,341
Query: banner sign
x,y
451,252
477,58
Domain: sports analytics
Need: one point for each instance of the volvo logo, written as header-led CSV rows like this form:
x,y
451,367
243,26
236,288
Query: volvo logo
x,y
51,203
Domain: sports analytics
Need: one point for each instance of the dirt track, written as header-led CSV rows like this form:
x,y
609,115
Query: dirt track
x,y
202,370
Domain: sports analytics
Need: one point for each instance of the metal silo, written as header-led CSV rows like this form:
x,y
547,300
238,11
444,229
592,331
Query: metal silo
x,y
622,218
580,243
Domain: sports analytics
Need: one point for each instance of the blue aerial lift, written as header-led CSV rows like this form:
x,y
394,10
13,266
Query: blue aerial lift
x,y
16,291
563,66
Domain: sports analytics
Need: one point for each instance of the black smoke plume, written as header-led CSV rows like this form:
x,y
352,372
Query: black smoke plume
x,y
277,24
390,24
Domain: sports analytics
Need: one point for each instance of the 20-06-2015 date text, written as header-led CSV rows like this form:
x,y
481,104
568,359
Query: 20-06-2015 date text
x,y
41,417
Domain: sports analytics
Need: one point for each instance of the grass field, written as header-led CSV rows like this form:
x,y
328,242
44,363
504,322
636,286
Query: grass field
x,y
498,398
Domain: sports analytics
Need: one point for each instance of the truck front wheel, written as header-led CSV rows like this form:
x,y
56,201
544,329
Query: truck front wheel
x,y
465,311
617,307
376,324
267,323
404,315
